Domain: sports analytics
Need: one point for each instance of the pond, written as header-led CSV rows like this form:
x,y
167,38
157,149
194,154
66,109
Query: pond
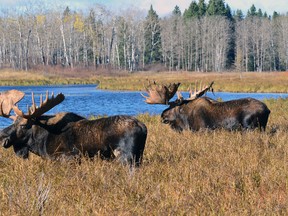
x,y
87,100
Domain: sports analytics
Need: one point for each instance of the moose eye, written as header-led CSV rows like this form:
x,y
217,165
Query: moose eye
x,y
23,126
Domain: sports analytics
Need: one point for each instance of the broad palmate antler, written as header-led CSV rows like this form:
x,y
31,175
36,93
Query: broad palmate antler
x,y
7,100
44,107
161,94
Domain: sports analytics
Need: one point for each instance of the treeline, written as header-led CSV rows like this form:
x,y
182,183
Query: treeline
x,y
205,37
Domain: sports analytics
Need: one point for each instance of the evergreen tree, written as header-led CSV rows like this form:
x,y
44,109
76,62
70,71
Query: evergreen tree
x,y
238,15
231,51
275,15
192,11
228,12
252,11
216,7
176,11
259,13
202,8
67,12
152,38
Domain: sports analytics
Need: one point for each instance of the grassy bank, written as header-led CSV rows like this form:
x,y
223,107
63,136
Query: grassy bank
x,y
203,173
26,78
232,82
228,81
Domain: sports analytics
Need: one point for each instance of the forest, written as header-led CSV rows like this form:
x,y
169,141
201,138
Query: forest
x,y
204,37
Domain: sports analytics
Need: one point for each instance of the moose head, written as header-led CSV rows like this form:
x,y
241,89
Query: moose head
x,y
17,134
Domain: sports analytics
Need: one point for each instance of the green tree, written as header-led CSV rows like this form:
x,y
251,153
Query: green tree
x,y
252,11
176,11
216,7
260,13
152,38
67,12
275,15
238,16
202,8
192,11
228,13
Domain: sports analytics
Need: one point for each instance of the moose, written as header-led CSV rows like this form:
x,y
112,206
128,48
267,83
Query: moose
x,y
196,112
69,135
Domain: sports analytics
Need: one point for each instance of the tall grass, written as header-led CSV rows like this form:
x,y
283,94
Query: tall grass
x,y
201,173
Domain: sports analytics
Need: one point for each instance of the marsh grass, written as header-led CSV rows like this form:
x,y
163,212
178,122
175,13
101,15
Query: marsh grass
x,y
202,173
228,81
26,78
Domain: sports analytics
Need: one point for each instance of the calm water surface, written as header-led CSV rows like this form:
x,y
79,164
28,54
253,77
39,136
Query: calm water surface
x,y
87,100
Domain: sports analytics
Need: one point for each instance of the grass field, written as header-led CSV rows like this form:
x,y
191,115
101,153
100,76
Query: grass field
x,y
200,173
228,81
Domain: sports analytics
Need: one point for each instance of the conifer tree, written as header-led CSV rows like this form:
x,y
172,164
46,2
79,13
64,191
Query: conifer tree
x,y
152,38
216,7
202,7
192,11
238,16
252,11
176,11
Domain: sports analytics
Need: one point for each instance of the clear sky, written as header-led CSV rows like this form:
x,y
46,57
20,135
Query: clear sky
x,y
162,7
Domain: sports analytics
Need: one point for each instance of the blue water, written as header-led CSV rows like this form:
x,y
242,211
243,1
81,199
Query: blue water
x,y
87,100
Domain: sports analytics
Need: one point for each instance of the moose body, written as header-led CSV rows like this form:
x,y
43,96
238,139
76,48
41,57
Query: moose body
x,y
203,112
198,112
70,135
67,134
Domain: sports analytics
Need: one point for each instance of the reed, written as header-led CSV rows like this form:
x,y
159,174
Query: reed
x,y
190,173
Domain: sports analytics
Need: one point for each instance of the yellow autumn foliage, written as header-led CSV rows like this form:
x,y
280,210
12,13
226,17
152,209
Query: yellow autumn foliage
x,y
78,24
40,20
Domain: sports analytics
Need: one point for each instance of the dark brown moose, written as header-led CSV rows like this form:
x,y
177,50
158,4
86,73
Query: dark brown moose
x,y
70,135
196,112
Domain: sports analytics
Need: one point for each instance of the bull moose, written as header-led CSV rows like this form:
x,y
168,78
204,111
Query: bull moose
x,y
196,112
70,135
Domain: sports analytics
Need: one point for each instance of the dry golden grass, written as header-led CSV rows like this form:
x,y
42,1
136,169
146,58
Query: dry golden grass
x,y
203,173
120,80
11,77
228,81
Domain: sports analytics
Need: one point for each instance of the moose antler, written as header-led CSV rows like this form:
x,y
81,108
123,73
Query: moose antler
x,y
45,106
160,94
200,92
7,100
